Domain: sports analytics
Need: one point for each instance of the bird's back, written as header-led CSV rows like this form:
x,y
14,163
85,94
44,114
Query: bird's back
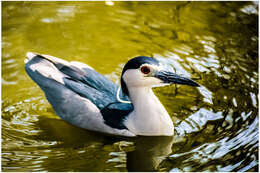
x,y
79,94
99,90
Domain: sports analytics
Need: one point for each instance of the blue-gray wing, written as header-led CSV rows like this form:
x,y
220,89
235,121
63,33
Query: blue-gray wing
x,y
99,90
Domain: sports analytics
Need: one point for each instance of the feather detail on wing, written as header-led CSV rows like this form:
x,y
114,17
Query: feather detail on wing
x,y
85,82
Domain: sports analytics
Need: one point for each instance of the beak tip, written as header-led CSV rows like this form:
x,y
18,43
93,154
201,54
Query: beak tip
x,y
195,84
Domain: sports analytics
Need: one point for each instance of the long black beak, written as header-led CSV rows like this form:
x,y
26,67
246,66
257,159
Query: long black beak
x,y
172,78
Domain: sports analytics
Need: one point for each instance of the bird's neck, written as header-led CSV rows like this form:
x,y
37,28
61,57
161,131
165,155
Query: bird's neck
x,y
149,116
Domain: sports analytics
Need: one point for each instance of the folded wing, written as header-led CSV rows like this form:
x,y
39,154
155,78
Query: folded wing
x,y
59,79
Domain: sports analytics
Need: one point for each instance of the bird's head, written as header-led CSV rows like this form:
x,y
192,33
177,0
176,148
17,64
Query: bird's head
x,y
145,71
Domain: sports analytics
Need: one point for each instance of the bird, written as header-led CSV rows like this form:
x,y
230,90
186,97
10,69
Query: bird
x,y
87,99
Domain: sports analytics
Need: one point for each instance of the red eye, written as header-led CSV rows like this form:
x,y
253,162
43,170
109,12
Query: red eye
x,y
145,70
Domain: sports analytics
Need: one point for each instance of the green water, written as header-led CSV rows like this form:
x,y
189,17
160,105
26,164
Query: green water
x,y
214,43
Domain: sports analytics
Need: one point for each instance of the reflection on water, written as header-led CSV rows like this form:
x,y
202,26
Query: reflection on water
x,y
214,43
149,153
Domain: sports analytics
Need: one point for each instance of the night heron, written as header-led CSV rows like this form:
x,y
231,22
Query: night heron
x,y
87,99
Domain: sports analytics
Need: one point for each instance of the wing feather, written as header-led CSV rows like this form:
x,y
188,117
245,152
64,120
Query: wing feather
x,y
99,90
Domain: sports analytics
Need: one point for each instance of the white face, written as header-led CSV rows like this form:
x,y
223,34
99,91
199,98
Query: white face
x,y
142,77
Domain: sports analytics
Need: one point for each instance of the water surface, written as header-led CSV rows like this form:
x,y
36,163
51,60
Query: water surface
x,y
214,43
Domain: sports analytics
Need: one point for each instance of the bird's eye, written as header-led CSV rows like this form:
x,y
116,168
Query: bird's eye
x,y
145,70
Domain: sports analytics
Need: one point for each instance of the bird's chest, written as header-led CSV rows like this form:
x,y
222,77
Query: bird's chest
x,y
150,118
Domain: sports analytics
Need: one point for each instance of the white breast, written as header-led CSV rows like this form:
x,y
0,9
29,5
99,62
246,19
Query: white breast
x,y
149,117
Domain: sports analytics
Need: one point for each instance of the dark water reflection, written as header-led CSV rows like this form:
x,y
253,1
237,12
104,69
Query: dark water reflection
x,y
214,43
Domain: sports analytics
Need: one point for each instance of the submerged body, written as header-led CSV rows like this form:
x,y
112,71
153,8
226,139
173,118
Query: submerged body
x,y
85,98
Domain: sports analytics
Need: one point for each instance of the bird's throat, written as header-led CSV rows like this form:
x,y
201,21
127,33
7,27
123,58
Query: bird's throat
x,y
149,116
